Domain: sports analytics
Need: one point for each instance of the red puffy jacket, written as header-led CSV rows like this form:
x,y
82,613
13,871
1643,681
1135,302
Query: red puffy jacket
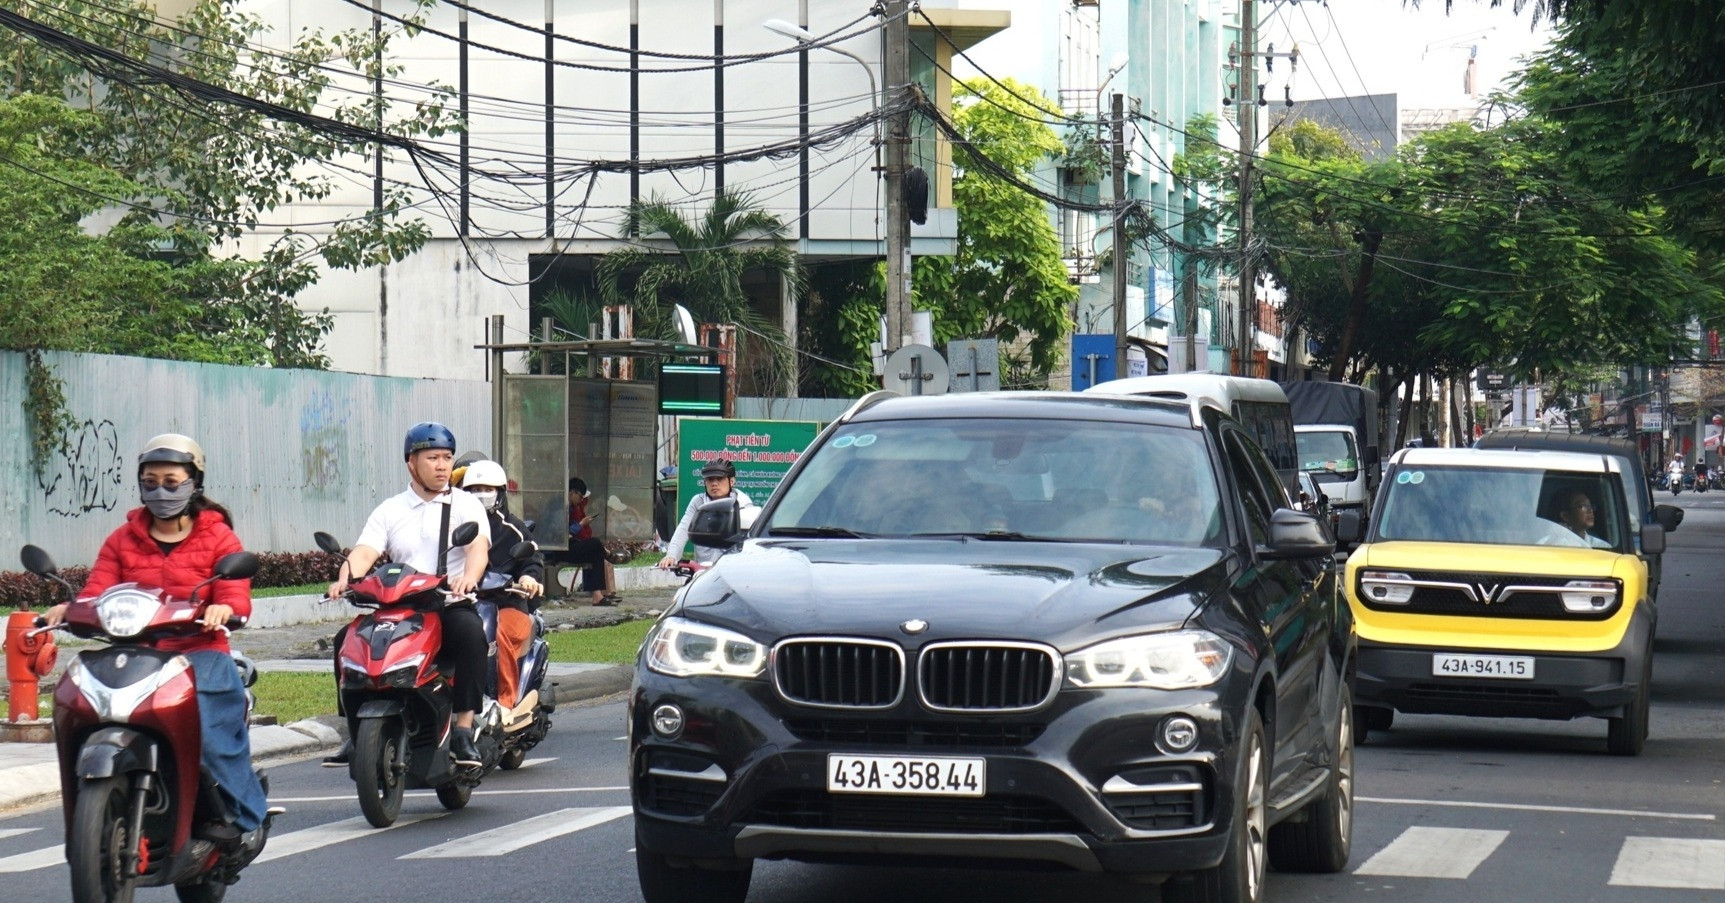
x,y
131,555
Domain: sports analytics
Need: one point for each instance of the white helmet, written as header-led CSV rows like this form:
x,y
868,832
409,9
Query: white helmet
x,y
484,473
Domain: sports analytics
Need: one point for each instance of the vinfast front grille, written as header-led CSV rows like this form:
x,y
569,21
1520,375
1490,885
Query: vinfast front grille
x,y
1487,596
990,676
839,673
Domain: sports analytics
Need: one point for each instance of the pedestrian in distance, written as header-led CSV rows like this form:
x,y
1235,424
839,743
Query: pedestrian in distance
x,y
413,528
173,543
719,478
585,548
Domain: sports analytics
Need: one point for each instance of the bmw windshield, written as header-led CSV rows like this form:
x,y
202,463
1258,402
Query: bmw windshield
x,y
1008,480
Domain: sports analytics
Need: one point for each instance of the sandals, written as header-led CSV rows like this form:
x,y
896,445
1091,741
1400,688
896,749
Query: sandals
x,y
609,599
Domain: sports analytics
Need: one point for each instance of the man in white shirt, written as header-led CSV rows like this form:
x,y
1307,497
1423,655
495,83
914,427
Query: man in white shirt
x,y
411,529
719,478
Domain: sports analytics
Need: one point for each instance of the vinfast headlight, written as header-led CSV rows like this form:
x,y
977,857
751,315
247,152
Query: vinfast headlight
x,y
1386,587
1177,660
125,611
1589,596
683,648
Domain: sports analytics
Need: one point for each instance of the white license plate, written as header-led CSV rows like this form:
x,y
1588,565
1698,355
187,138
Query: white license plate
x,y
907,775
1502,667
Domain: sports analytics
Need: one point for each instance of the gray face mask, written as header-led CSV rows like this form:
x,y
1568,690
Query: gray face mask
x,y
165,503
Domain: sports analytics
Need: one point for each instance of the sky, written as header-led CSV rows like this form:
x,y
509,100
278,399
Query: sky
x,y
1346,46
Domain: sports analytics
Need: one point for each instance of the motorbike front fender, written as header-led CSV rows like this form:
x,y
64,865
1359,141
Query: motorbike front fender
x,y
114,751
380,708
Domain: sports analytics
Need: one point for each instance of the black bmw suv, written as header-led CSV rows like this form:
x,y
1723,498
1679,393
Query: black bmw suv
x,y
1043,629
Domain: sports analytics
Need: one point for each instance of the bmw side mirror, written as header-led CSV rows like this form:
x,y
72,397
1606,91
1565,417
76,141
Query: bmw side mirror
x,y
716,525
1296,534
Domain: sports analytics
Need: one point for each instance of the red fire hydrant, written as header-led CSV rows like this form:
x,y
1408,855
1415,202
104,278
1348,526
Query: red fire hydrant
x,y
28,660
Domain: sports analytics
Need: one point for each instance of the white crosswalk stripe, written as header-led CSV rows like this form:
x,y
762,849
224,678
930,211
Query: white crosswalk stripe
x,y
33,860
1422,852
525,833
1670,862
279,846
532,762
13,832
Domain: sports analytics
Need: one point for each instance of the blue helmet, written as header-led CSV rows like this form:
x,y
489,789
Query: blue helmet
x,y
427,434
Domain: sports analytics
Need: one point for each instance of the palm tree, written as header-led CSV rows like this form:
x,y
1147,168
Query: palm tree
x,y
703,270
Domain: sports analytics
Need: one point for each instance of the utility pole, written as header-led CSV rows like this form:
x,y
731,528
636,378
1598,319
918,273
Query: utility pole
x,y
1120,250
894,84
1248,104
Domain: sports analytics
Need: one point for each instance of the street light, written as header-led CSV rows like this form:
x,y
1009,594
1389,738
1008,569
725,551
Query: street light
x,y
802,36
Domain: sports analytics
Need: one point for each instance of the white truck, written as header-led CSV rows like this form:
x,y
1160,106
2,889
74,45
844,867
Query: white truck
x,y
1336,432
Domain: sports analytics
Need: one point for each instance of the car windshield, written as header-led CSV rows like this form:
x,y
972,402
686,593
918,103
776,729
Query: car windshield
x,y
1064,480
1501,506
1327,451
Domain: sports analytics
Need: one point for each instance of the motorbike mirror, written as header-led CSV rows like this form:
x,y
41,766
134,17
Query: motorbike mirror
x,y
237,566
327,542
464,534
37,561
523,550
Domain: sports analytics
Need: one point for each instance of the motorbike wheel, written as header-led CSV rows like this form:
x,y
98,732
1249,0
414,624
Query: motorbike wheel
x,y
96,847
454,795
201,891
380,785
512,759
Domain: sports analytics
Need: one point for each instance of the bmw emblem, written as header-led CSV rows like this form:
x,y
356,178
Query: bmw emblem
x,y
914,626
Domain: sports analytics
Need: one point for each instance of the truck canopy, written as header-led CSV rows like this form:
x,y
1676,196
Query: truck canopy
x,y
1336,403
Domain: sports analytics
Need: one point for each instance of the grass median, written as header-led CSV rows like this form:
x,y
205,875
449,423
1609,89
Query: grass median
x,y
295,695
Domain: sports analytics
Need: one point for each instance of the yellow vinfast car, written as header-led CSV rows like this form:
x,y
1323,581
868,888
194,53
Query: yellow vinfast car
x,y
1507,584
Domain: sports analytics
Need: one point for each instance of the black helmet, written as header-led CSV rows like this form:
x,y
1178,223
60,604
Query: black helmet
x,y
719,468
427,434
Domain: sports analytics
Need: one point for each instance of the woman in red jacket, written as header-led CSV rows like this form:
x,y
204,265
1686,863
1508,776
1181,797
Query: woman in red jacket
x,y
173,543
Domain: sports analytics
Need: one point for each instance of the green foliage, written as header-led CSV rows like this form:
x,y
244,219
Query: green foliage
x,y
291,696
1007,280
616,644
704,268
843,304
179,178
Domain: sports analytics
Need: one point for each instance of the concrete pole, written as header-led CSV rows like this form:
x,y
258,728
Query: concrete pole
x,y
1120,248
1248,104
896,82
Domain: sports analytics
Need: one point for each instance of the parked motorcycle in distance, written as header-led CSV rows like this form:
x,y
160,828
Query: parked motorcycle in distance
x,y
398,702
140,811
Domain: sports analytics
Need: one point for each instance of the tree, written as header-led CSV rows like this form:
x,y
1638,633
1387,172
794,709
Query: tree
x,y
1007,280
202,174
703,269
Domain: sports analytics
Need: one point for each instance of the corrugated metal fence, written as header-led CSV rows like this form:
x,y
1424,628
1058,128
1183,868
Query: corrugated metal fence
x,y
289,451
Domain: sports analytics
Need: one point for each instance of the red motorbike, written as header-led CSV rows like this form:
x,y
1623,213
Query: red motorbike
x,y
139,809
397,700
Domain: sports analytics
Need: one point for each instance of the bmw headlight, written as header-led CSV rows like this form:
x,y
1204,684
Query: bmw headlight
x,y
1176,660
684,648
126,611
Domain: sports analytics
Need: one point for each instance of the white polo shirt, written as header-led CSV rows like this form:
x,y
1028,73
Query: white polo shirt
x,y
405,527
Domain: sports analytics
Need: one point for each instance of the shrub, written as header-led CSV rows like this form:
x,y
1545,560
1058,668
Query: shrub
x,y
21,588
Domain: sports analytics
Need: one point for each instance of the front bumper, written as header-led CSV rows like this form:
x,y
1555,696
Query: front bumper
x,y
1080,785
1565,685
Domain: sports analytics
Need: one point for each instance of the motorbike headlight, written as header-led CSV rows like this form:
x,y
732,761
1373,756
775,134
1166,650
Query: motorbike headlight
x,y
1589,596
1386,587
125,612
1177,660
411,663
684,648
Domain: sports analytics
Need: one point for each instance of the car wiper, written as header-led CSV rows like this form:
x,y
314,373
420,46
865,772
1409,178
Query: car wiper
x,y
838,532
991,535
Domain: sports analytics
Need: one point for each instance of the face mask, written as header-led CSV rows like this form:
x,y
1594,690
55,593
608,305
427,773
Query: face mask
x,y
486,497
166,503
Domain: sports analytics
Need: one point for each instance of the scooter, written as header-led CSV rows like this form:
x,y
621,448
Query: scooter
x,y
140,811
529,720
398,703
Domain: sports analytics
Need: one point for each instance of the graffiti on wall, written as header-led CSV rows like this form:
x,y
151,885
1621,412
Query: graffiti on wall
x,y
322,443
86,473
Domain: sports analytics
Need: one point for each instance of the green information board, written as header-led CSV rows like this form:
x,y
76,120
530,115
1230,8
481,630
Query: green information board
x,y
762,450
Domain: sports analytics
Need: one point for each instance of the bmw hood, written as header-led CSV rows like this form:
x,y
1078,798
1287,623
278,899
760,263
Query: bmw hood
x,y
959,587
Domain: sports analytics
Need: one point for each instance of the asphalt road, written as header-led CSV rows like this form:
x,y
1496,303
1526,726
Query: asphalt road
x,y
1449,809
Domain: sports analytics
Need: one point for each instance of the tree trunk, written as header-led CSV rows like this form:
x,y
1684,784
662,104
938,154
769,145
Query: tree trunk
x,y
1356,306
1407,387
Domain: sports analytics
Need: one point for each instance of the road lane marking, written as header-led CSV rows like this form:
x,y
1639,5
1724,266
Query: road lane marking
x,y
33,860
1670,862
1522,807
431,793
296,842
532,762
525,833
14,832
1422,852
